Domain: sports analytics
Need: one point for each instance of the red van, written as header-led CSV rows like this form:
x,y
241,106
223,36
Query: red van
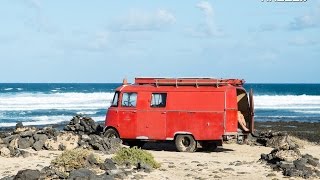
x,y
192,112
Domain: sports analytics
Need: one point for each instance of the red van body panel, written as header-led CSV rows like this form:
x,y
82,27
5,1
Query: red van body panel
x,y
206,111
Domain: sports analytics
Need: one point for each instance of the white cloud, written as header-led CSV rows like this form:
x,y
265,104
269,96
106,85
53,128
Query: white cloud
x,y
39,21
310,20
206,7
208,28
303,22
165,16
138,20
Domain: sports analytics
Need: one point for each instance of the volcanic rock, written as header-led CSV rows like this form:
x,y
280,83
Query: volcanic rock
x,y
83,125
82,173
38,145
19,125
40,137
27,174
108,165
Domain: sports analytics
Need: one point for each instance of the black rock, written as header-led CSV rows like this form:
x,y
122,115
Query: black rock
x,y
313,161
19,125
67,128
8,139
145,167
99,129
7,178
40,137
108,165
24,143
76,120
27,133
31,141
27,174
62,147
24,153
120,175
104,176
300,164
286,165
86,126
4,134
47,171
292,172
82,174
76,127
49,131
81,129
38,145
97,146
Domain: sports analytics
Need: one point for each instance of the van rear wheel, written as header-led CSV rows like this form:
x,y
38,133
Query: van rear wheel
x,y
185,143
111,133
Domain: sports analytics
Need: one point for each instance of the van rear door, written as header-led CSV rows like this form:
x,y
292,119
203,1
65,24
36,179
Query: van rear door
x,y
251,110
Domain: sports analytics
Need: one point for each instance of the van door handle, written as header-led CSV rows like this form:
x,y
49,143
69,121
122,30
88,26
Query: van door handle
x,y
163,112
134,111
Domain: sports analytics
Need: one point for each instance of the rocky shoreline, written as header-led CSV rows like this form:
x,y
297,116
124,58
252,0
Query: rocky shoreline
x,y
83,133
309,131
304,130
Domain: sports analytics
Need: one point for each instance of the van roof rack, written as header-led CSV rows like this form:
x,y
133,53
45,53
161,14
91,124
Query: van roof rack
x,y
189,81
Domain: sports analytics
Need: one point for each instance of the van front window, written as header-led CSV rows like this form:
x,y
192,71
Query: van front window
x,y
115,99
129,99
158,99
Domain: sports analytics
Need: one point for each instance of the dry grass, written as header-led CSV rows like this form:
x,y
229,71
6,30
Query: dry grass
x,y
72,159
135,155
300,142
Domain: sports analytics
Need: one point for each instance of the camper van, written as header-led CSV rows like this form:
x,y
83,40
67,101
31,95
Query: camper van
x,y
192,112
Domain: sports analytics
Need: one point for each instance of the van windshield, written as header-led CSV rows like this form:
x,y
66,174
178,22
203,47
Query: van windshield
x,y
115,99
129,99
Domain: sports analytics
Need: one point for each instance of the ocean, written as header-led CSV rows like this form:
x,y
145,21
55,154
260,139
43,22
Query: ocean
x,y
47,103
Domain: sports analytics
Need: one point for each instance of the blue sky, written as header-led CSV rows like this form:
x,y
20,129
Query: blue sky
x,y
104,41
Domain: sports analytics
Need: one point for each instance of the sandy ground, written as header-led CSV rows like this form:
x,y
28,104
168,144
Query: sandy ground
x,y
228,162
221,164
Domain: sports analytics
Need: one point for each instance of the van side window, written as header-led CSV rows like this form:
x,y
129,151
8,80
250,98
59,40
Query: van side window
x,y
158,99
115,99
129,99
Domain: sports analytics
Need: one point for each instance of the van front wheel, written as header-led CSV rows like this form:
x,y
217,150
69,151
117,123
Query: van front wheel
x,y
185,143
111,133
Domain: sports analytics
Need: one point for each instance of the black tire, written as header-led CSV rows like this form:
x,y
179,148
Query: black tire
x,y
185,143
111,133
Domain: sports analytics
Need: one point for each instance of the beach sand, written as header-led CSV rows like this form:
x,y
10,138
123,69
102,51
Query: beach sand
x,y
227,162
